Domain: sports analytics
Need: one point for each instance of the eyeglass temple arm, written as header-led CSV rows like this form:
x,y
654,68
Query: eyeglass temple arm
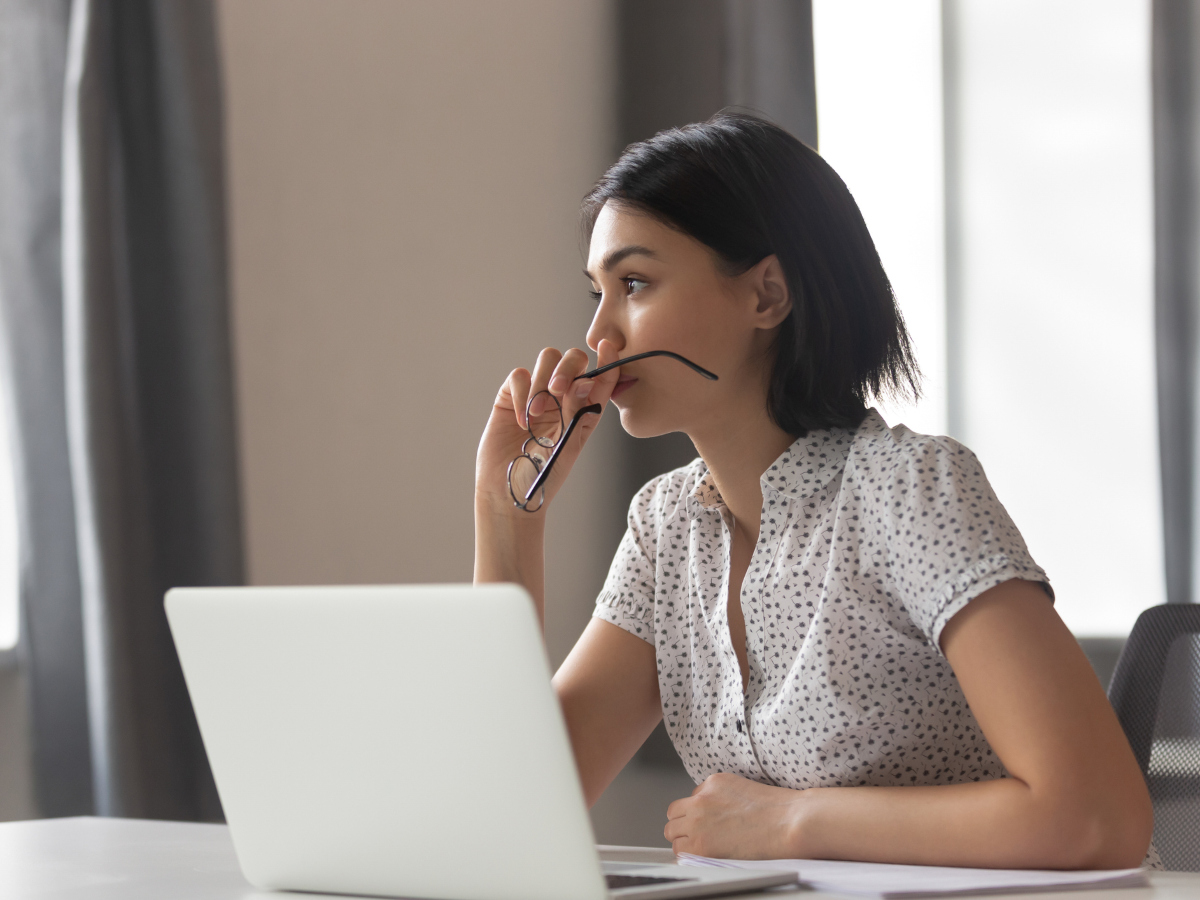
x,y
542,475
620,362
597,408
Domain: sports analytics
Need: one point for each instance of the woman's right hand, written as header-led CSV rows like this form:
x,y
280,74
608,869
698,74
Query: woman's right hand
x,y
506,430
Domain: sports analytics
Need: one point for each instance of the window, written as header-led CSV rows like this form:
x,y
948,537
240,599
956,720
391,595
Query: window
x,y
879,123
1049,373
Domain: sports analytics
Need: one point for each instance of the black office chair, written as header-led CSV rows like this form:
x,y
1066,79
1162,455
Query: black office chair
x,y
1156,693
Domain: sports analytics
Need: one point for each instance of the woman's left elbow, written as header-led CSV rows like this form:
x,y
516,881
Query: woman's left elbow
x,y
1111,835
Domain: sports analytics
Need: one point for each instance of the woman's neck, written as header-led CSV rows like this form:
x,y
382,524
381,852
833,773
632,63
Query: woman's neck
x,y
737,452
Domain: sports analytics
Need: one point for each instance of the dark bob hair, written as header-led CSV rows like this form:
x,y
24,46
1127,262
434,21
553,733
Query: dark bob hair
x,y
747,189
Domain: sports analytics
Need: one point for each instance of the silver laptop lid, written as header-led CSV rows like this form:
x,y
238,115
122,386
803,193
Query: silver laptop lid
x,y
399,741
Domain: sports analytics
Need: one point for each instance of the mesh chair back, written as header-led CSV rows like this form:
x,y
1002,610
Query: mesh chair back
x,y
1155,691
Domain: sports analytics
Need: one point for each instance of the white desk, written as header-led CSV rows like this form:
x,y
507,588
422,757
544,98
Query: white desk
x,y
130,859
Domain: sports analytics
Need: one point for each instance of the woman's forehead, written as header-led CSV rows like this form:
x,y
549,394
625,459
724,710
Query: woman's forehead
x,y
621,228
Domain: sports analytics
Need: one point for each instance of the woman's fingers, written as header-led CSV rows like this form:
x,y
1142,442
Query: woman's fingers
x,y
602,385
545,399
574,362
518,388
571,393
676,827
592,390
606,353
546,362
555,373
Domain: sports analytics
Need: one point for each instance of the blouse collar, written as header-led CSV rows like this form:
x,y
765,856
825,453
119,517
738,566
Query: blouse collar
x,y
802,470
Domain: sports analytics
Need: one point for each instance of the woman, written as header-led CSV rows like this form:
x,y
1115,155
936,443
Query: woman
x,y
855,655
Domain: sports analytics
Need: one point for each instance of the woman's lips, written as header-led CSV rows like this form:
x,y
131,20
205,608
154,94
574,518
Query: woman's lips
x,y
622,385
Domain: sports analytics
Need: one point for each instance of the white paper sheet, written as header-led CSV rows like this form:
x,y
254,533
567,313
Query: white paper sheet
x,y
893,882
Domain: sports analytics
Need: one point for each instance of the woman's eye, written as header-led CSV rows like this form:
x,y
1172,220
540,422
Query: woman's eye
x,y
595,295
633,285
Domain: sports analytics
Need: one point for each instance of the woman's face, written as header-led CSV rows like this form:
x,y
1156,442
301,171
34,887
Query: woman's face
x,y
660,289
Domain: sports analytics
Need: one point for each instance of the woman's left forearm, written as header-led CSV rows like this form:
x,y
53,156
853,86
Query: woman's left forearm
x,y
1074,821
1002,823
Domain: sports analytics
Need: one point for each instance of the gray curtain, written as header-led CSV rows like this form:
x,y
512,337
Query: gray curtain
x,y
1176,104
33,46
680,61
142,398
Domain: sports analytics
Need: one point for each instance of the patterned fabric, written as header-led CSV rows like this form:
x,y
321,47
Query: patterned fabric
x,y
870,540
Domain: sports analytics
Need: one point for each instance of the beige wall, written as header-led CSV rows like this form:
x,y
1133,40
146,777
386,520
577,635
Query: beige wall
x,y
405,180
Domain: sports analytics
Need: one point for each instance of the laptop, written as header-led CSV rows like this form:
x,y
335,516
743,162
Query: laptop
x,y
400,742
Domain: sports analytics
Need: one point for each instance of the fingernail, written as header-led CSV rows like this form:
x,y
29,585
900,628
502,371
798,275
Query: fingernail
x,y
535,408
583,388
559,384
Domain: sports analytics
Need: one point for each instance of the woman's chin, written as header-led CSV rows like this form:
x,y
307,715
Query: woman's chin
x,y
642,426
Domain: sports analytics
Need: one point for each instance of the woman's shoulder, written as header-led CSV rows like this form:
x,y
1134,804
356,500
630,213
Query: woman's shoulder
x,y
666,495
880,447
886,458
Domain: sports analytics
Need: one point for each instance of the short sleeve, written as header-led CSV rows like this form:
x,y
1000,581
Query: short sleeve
x,y
627,599
947,538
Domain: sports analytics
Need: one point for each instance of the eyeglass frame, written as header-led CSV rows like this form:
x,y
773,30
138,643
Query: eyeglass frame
x,y
594,408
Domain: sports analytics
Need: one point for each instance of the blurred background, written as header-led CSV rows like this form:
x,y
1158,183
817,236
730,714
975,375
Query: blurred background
x,y
265,263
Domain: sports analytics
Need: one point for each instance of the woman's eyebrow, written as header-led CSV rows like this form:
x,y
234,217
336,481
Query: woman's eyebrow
x,y
619,254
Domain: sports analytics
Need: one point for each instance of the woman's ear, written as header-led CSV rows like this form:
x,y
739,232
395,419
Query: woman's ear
x,y
773,299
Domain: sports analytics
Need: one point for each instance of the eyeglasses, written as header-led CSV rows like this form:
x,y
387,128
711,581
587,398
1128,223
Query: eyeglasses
x,y
527,473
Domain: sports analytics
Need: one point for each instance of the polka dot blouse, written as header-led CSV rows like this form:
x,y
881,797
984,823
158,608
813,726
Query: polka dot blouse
x,y
870,540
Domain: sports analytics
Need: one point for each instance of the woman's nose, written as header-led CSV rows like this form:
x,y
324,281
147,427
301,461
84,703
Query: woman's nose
x,y
604,326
